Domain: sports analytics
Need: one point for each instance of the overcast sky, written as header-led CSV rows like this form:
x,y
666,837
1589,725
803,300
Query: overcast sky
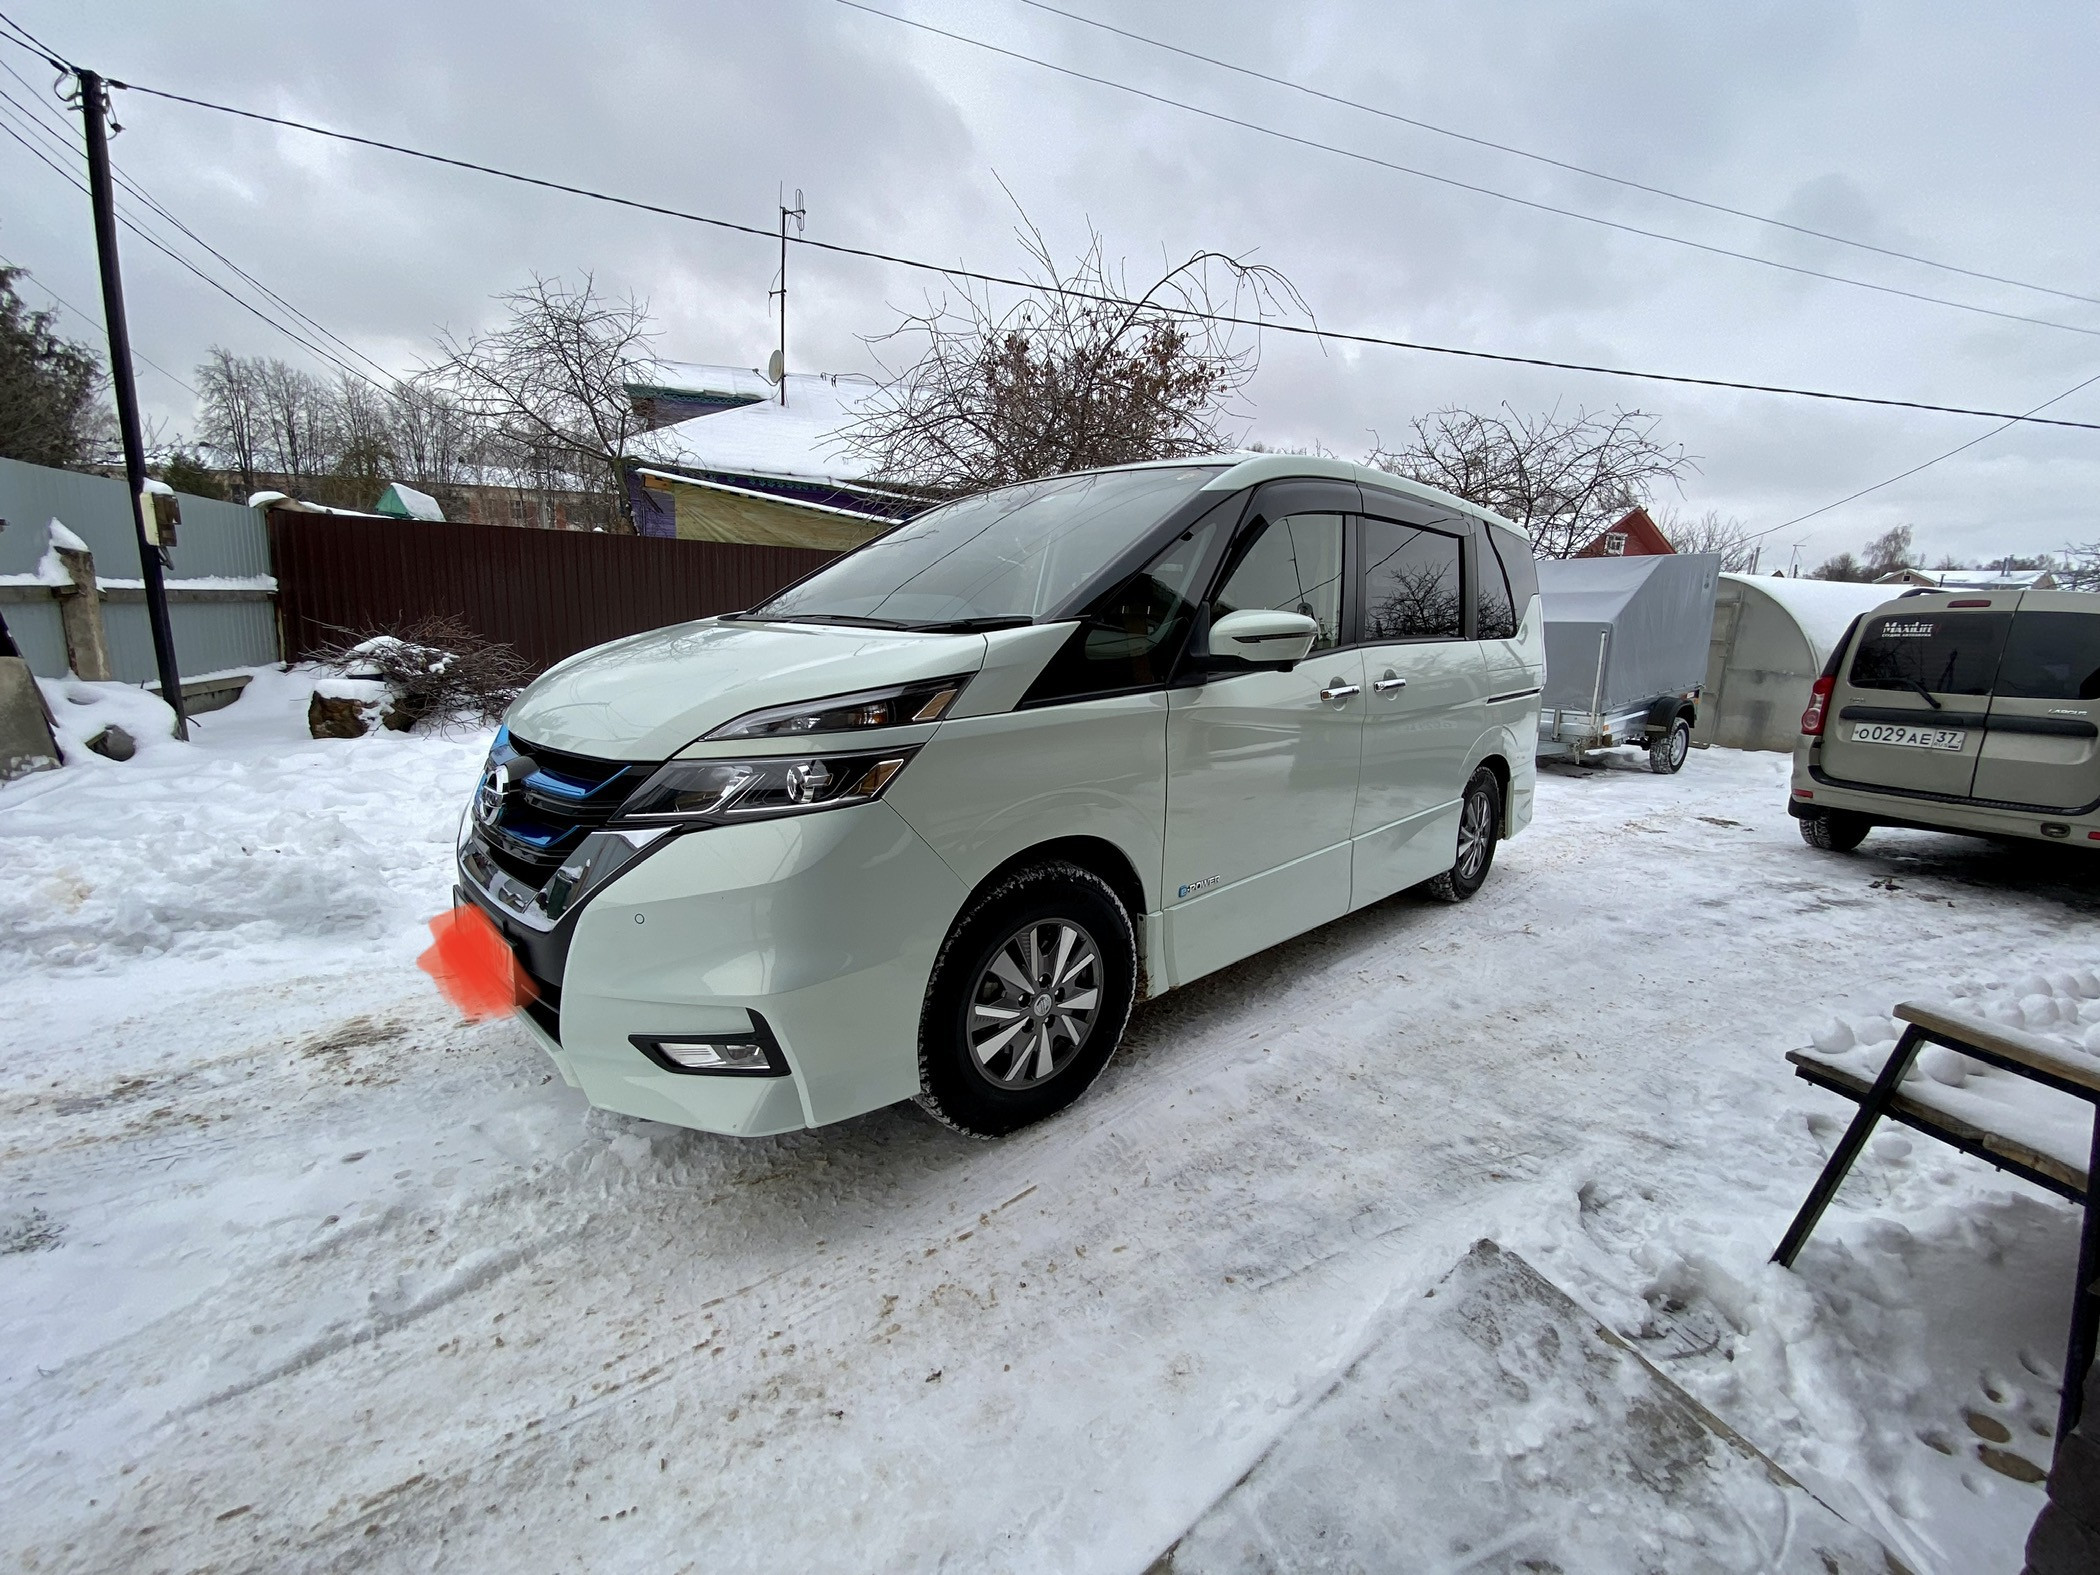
x,y
1968,134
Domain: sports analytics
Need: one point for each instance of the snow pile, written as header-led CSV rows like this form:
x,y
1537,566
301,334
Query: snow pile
x,y
80,711
2061,1009
310,1273
252,837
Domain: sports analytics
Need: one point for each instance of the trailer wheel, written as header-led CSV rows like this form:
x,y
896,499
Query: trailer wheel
x,y
1666,754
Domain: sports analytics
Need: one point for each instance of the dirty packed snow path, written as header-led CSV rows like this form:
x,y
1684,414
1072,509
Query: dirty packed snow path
x,y
296,1271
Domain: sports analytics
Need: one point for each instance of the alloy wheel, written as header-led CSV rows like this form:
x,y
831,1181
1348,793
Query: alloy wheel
x,y
1476,834
1035,1003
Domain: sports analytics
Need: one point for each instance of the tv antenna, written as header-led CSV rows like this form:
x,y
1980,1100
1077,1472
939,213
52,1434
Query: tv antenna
x,y
778,369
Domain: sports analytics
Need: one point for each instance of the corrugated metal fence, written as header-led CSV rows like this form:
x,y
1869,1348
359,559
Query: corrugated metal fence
x,y
548,593
215,628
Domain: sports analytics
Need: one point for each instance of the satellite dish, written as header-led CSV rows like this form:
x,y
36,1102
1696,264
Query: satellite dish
x,y
775,369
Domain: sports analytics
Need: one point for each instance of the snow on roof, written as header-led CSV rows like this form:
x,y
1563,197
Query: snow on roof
x,y
1823,608
1969,579
405,502
801,439
702,379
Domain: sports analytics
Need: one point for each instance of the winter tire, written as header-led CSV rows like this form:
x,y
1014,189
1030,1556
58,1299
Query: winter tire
x,y
1028,1000
1834,830
1666,755
1479,828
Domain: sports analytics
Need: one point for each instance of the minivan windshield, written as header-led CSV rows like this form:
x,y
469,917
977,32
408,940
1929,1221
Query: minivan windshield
x,y
1000,557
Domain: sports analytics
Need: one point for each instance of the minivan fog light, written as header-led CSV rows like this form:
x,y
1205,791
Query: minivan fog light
x,y
711,1055
752,1054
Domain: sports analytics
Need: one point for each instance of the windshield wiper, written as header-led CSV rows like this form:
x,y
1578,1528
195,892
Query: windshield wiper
x,y
839,618
1921,689
971,625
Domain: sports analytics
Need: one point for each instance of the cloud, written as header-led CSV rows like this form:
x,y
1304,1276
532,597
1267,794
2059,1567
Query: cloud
x,y
1959,133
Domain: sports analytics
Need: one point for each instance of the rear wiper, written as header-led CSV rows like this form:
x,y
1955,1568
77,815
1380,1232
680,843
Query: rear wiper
x,y
971,625
1921,689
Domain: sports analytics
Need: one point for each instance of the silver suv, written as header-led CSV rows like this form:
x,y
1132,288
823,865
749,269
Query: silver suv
x,y
1957,711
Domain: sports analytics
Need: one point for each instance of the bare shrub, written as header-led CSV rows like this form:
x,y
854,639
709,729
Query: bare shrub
x,y
436,669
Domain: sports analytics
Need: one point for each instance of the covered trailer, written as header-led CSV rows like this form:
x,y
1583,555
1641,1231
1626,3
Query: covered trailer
x,y
1626,653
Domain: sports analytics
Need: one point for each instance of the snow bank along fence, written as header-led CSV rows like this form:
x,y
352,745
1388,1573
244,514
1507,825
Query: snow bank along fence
x,y
548,593
219,584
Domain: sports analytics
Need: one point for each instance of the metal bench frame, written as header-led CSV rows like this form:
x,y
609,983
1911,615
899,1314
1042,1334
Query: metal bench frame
x,y
2010,1051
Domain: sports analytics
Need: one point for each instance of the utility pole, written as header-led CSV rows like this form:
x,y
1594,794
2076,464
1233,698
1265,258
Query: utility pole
x,y
780,356
94,111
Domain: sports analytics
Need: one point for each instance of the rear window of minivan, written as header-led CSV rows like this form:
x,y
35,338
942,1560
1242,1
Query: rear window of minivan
x,y
1947,653
2052,656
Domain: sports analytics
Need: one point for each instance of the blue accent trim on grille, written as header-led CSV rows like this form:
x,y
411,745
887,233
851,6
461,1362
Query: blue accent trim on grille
x,y
570,787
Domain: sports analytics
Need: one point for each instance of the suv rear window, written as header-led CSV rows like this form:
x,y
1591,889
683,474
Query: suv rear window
x,y
1946,653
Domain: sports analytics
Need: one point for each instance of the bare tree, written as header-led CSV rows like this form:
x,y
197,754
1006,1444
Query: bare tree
x,y
435,443
363,434
549,386
1844,566
298,424
1080,372
1889,553
230,417
2078,568
1562,479
1710,532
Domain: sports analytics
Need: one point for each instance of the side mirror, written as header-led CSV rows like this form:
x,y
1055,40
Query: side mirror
x,y
1261,637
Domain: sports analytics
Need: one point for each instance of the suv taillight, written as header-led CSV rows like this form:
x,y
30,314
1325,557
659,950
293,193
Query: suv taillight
x,y
1818,706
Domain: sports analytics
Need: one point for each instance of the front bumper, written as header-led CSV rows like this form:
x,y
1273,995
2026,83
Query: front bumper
x,y
822,927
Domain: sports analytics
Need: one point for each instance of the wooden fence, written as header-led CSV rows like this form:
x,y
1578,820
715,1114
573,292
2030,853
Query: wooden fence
x,y
548,593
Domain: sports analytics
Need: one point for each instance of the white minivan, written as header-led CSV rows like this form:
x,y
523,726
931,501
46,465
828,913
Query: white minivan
x,y
928,822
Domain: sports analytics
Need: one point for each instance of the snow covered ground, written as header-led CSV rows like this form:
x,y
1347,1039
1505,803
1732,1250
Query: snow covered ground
x,y
298,1271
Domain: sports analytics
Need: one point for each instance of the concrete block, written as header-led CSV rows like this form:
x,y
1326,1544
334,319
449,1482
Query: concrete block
x,y
26,744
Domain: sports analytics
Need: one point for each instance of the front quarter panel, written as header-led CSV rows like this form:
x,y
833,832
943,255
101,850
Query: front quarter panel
x,y
989,787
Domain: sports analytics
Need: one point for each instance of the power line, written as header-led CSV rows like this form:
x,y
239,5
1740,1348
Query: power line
x,y
1548,159
91,321
1905,475
159,208
957,272
1461,185
151,239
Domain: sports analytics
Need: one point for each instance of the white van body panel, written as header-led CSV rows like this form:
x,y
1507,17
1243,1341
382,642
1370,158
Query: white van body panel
x,y
1231,811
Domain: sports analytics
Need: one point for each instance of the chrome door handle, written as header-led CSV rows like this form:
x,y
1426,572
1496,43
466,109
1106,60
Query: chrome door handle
x,y
1340,691
1389,683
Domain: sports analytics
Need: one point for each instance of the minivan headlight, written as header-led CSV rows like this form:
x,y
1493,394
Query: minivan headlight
x,y
900,705
709,792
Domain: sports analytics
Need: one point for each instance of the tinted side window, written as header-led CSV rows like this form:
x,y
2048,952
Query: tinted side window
x,y
1946,653
1294,566
1494,614
1411,583
2052,656
1514,553
1131,640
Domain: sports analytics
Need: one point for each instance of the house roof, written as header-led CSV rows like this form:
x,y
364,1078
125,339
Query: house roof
x,y
1644,538
801,440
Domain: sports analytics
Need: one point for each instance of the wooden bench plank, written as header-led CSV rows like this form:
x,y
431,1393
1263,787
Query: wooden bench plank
x,y
1919,1110
2028,1050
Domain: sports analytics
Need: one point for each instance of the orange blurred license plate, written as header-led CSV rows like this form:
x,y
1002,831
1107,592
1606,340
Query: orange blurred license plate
x,y
1952,738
